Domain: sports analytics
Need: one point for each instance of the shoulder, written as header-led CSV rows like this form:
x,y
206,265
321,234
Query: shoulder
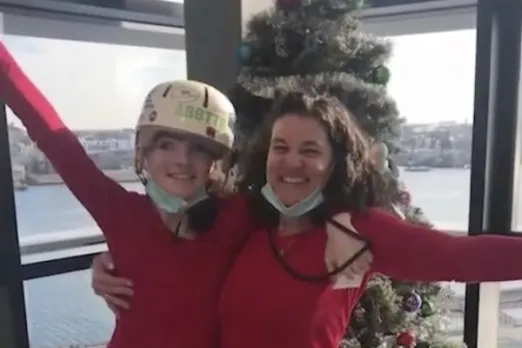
x,y
365,222
140,200
233,214
233,204
363,217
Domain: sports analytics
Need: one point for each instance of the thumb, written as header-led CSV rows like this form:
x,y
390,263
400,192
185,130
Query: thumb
x,y
107,261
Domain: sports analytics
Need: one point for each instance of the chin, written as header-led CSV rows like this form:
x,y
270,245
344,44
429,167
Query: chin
x,y
289,201
177,192
291,198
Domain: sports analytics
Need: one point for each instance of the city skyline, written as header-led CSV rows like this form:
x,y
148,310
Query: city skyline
x,y
102,86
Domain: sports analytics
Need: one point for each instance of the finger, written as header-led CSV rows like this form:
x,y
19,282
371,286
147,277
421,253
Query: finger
x,y
330,266
113,309
108,279
347,272
367,257
116,302
106,260
359,268
102,289
101,262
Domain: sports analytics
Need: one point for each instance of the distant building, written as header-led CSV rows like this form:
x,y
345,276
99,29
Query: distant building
x,y
95,144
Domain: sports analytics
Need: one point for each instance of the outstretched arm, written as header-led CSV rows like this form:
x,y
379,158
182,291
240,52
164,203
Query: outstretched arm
x,y
410,252
98,193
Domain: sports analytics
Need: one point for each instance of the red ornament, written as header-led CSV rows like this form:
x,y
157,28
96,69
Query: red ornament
x,y
406,339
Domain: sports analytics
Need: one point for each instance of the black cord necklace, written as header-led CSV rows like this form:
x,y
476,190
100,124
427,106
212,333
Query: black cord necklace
x,y
318,277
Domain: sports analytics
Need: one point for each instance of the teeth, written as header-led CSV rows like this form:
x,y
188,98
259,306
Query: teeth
x,y
180,176
291,180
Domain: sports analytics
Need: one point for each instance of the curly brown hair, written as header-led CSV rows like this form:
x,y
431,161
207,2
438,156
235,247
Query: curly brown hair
x,y
354,185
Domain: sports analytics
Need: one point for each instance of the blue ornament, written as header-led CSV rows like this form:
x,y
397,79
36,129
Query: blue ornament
x,y
244,52
412,302
381,75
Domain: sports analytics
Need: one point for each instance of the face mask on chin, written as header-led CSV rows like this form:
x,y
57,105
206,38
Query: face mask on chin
x,y
295,210
170,204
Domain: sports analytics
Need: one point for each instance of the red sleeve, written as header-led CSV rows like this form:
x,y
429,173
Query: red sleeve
x,y
410,252
98,193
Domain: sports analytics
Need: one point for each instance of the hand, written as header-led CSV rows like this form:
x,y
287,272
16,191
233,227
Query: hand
x,y
105,284
340,247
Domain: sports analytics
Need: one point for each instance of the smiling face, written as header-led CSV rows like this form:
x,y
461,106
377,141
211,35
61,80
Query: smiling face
x,y
179,164
299,158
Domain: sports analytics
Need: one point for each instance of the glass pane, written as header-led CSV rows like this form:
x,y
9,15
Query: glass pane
x,y
510,307
63,312
435,96
98,89
100,99
510,315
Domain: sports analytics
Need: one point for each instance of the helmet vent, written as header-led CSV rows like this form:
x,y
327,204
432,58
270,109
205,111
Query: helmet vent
x,y
169,87
205,101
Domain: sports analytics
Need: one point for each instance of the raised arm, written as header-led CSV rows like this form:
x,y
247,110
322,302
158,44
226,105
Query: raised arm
x,y
410,252
91,187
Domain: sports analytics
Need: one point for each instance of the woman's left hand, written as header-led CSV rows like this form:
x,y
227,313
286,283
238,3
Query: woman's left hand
x,y
340,247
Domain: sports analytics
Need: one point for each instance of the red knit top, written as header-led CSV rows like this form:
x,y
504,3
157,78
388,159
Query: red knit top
x,y
262,305
176,282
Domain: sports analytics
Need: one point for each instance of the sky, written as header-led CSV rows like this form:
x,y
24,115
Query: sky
x,y
102,86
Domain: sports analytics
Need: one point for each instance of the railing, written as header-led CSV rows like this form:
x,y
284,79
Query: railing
x,y
59,241
64,244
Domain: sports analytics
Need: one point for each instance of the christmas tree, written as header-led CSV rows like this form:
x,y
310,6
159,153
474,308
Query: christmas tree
x,y
318,46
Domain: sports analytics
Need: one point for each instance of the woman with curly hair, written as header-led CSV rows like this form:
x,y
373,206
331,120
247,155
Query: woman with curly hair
x,y
310,165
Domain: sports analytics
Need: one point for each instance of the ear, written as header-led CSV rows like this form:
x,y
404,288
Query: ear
x,y
145,164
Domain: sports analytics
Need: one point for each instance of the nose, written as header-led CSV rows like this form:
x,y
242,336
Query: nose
x,y
293,160
181,154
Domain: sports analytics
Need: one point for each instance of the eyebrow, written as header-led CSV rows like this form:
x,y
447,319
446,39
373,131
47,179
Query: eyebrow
x,y
311,143
305,143
167,135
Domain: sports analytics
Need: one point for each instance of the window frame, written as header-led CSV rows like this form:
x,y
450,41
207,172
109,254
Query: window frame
x,y
397,17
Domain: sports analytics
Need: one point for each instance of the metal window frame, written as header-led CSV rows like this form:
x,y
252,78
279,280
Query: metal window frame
x,y
497,71
12,301
147,12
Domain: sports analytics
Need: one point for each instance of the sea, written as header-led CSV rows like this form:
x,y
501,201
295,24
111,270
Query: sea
x,y
62,310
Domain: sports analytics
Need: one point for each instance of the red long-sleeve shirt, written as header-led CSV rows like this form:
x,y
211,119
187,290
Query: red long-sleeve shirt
x,y
176,284
262,305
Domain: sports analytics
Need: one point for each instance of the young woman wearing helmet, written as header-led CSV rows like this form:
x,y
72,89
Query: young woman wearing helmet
x,y
176,242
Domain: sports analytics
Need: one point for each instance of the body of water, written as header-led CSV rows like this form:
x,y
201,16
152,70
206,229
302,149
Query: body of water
x,y
62,310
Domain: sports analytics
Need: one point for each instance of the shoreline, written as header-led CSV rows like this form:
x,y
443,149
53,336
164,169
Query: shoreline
x,y
120,176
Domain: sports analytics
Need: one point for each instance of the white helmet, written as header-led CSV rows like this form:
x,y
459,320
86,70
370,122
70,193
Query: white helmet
x,y
189,107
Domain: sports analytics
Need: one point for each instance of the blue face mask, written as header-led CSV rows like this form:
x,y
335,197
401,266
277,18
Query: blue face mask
x,y
168,203
298,209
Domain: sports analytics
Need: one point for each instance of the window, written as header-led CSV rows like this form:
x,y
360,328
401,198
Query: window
x,y
63,312
98,89
434,89
508,301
